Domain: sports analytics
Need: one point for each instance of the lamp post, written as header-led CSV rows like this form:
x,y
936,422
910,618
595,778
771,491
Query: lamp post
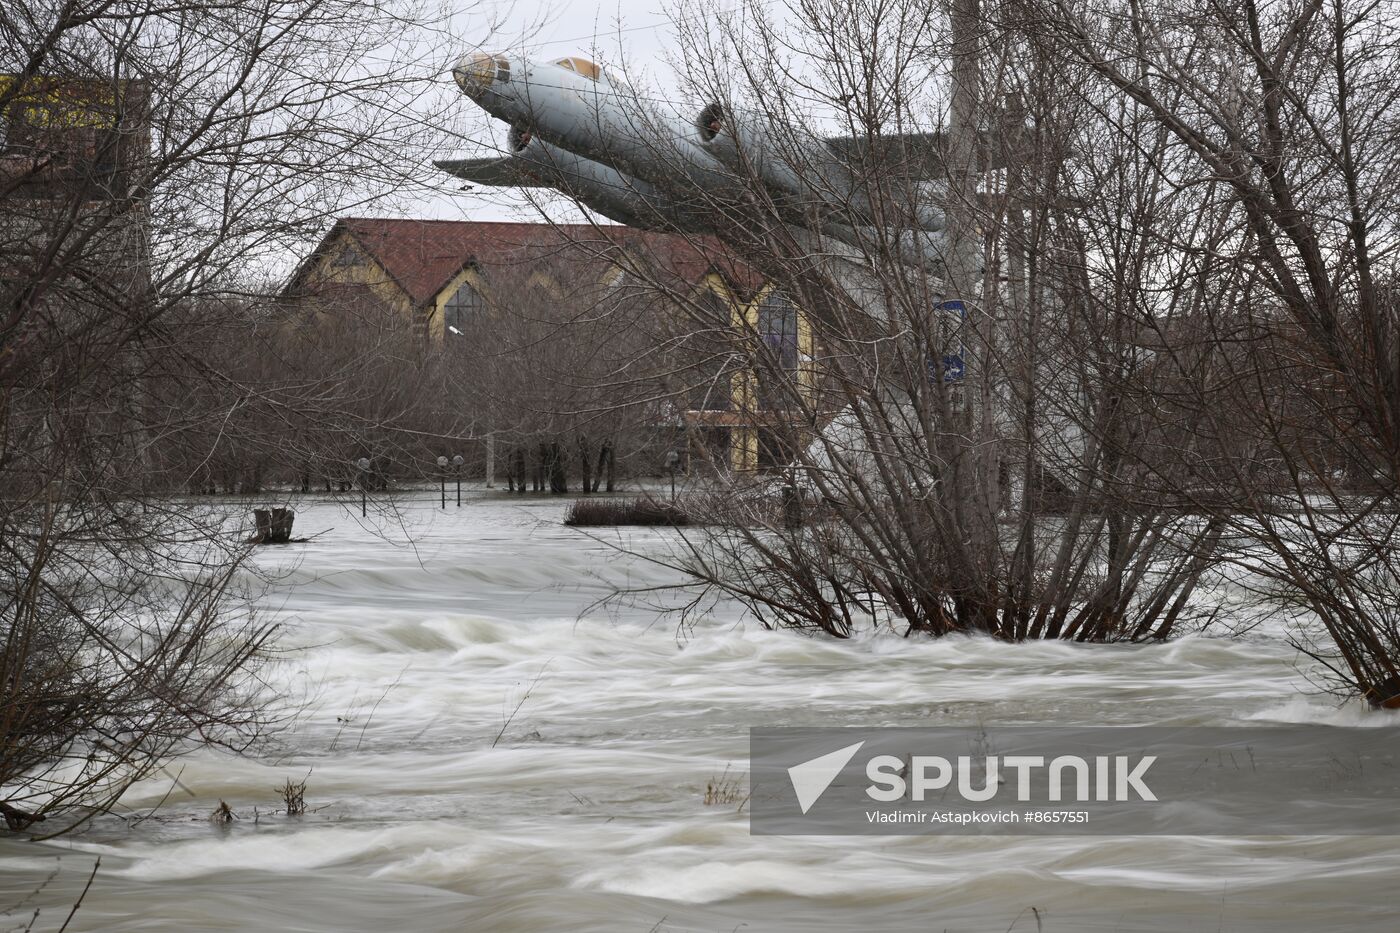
x,y
363,464
672,459
679,427
442,478
457,469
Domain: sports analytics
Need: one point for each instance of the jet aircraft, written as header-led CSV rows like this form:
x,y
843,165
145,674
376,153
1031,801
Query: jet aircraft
x,y
577,128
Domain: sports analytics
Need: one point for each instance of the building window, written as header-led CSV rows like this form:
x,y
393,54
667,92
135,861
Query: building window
x,y
777,327
348,258
462,310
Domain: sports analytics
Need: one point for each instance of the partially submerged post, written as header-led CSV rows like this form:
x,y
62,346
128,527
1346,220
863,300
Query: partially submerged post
x,y
274,526
442,479
363,464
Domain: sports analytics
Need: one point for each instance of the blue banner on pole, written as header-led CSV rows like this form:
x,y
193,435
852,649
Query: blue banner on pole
x,y
951,367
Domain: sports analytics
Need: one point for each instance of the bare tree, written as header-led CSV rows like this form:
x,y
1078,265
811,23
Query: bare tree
x,y
956,445
580,366
158,157
1275,122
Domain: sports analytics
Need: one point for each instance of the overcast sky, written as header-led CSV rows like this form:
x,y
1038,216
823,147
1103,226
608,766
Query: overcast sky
x,y
639,28
639,33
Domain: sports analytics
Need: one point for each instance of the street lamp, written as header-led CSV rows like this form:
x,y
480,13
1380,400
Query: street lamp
x,y
442,478
457,468
672,460
363,464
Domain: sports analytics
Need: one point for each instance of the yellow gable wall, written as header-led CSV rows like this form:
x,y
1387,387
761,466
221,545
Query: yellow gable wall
x,y
363,271
743,385
545,281
744,448
743,442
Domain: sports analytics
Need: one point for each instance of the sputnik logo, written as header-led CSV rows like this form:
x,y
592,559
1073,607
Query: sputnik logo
x,y
811,778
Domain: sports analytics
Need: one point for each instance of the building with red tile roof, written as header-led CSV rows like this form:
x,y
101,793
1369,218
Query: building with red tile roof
x,y
441,274
417,265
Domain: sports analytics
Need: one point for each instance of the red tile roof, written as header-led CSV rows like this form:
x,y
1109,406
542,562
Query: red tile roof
x,y
423,256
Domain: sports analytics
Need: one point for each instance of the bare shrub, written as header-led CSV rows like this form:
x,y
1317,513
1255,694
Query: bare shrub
x,y
640,511
725,790
293,796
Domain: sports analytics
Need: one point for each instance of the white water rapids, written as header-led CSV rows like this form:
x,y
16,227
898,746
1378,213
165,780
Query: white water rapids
x,y
588,813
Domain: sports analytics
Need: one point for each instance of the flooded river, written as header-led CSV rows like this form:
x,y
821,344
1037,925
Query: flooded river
x,y
489,750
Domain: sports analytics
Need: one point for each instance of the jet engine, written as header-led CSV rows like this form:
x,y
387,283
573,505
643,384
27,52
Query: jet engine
x,y
620,197
802,171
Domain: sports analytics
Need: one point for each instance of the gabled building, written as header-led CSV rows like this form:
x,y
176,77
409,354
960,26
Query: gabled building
x,y
71,153
447,278
71,138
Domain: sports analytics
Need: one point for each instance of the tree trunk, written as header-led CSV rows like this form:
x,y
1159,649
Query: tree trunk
x,y
558,469
603,449
585,464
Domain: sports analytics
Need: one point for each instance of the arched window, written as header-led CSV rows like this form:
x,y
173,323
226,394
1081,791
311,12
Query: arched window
x,y
462,311
777,326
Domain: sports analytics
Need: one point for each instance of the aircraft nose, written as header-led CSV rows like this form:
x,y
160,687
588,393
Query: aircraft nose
x,y
475,71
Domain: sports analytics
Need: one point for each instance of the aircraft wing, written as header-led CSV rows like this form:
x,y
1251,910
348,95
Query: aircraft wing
x,y
501,172
916,156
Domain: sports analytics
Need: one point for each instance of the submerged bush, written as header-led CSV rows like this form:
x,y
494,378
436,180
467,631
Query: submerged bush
x,y
624,512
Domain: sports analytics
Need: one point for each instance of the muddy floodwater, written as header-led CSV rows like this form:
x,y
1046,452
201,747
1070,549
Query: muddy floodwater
x,y
588,813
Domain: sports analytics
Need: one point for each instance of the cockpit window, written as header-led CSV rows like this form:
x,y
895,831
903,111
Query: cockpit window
x,y
581,66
